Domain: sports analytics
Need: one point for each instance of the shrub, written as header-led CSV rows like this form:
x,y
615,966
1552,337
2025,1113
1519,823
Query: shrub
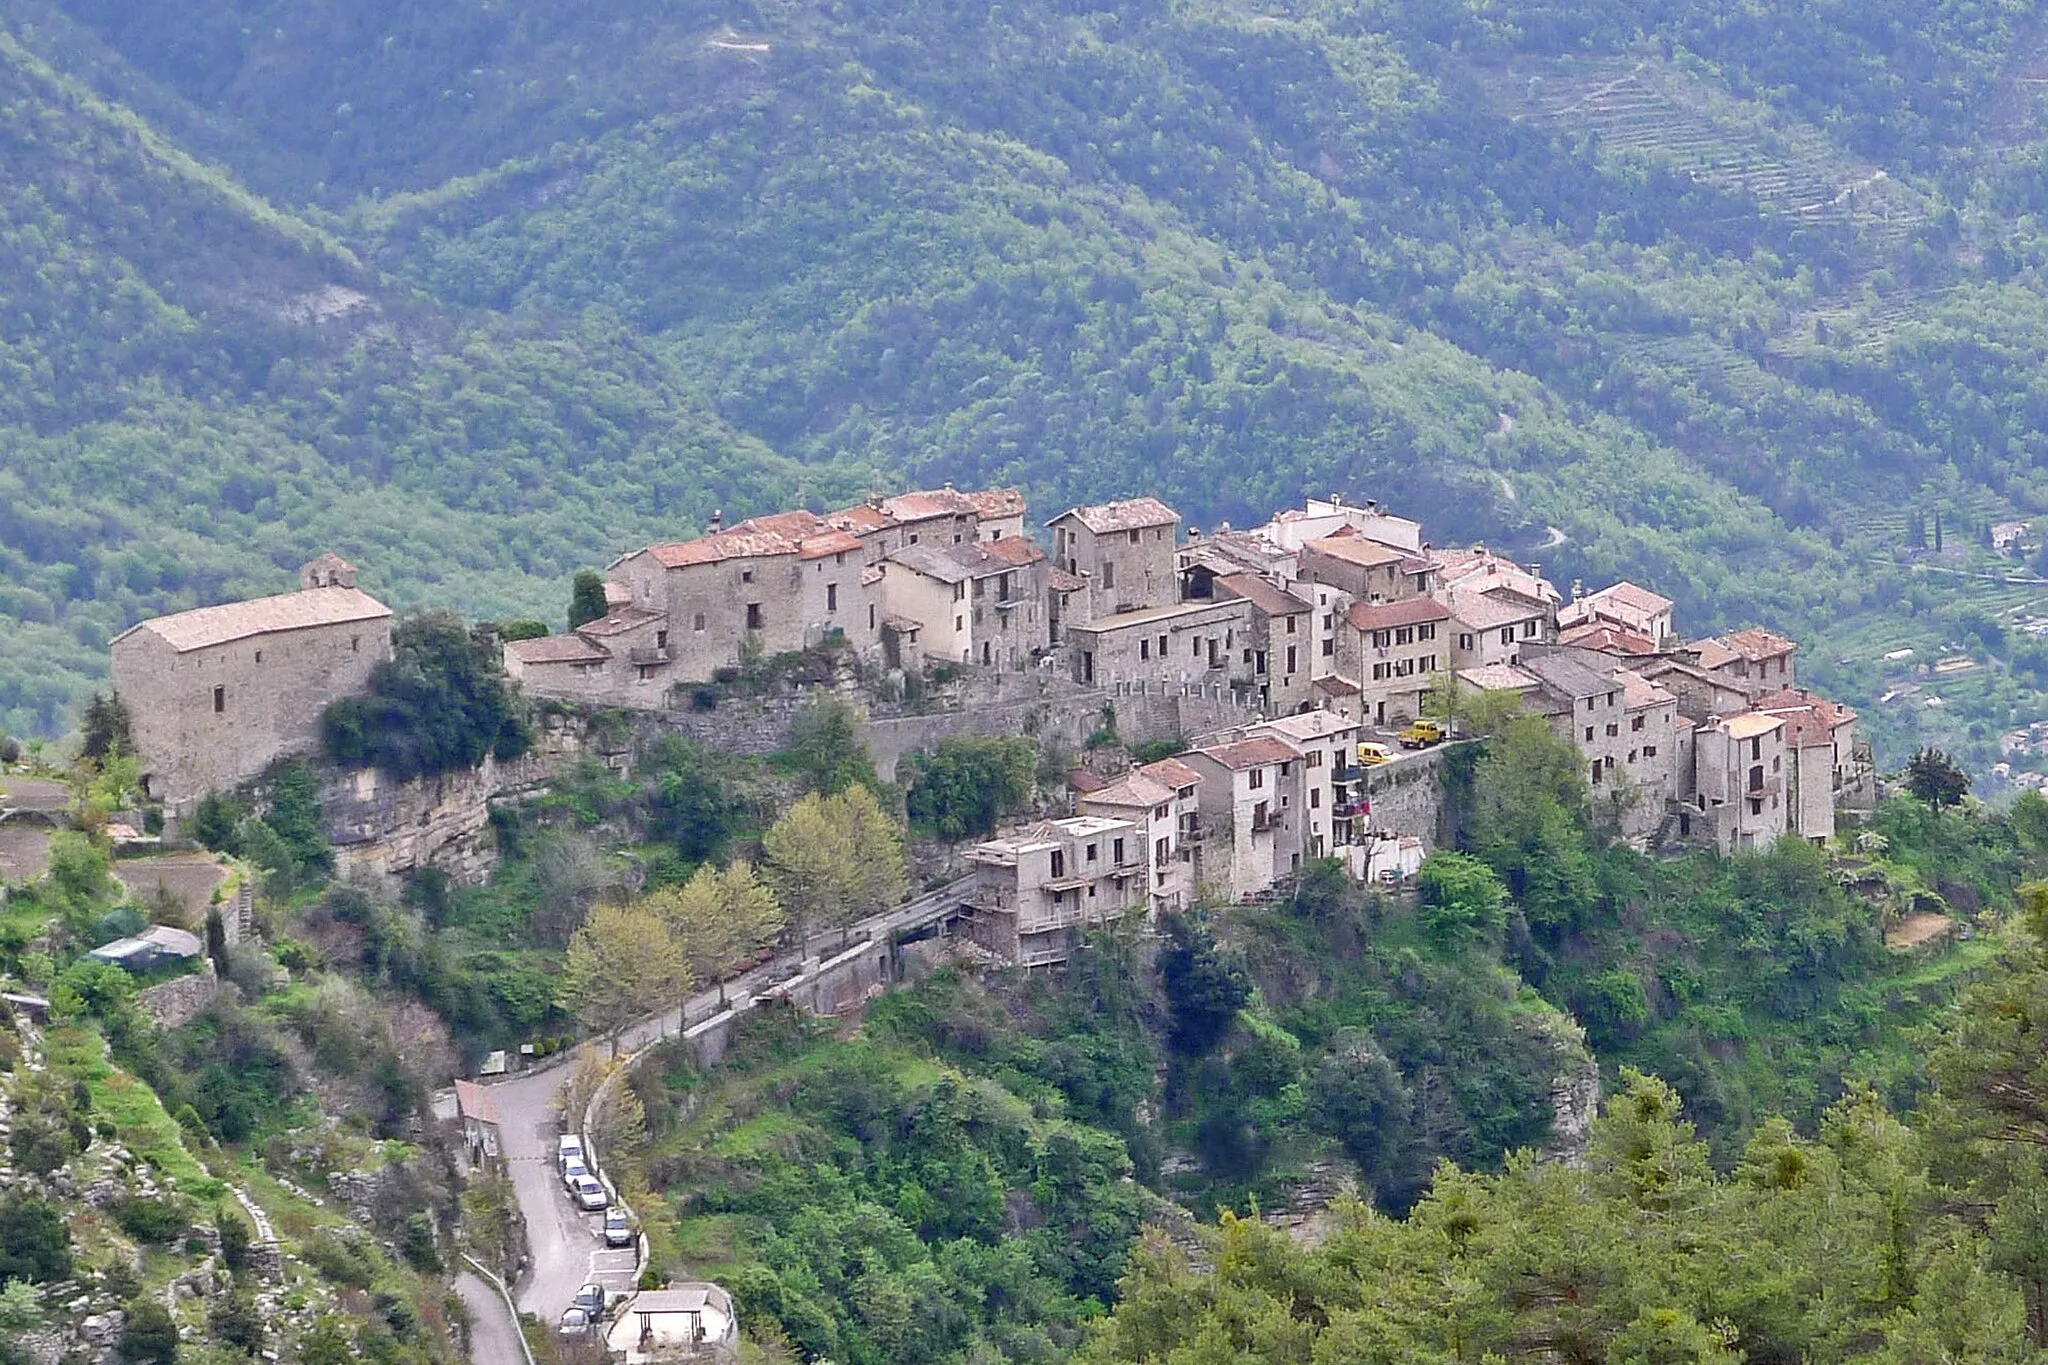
x,y
35,1245
236,1236
438,705
149,1337
158,1221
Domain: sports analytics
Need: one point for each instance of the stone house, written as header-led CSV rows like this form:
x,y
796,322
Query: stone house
x,y
1585,702
1279,638
620,659
1623,604
1328,817
1608,638
1202,643
1036,891
479,1117
979,602
1124,551
1162,815
1700,693
1658,763
1394,651
1759,657
1246,801
1478,569
1319,518
218,694
773,584
1739,783
1492,628
1827,768
1365,570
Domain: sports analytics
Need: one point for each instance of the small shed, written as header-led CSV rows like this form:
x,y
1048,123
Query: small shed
x,y
479,1121
150,949
690,1321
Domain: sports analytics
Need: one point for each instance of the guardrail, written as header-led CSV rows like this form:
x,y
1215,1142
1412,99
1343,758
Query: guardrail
x,y
518,1329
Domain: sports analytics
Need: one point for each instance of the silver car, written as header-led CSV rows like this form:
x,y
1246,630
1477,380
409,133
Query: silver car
x,y
590,1196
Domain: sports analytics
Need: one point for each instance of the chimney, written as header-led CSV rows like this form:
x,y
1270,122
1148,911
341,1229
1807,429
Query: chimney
x,y
1223,529
949,485
1194,533
1578,590
1536,571
1336,499
717,521
1372,504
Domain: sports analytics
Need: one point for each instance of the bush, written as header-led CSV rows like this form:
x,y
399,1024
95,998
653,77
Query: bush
x,y
236,1236
438,705
35,1244
149,1337
157,1221
966,785
235,1320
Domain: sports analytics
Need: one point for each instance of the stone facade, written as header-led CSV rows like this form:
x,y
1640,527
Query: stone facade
x,y
1740,782
1247,836
1036,891
1122,551
1393,651
216,695
981,602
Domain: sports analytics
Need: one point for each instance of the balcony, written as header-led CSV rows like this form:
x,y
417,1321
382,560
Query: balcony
x,y
647,656
1350,810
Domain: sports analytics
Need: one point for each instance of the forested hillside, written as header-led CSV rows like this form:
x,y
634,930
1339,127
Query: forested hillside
x,y
1741,301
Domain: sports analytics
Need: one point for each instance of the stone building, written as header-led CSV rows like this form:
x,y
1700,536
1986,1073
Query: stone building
x,y
1492,628
1037,891
1327,814
1826,766
1161,801
1761,658
217,695
1365,570
981,602
1124,551
1624,604
1319,518
1739,783
1246,803
1190,643
1394,651
620,659
1279,637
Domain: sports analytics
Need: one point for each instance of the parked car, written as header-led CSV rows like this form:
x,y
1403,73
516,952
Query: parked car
x,y
574,1322
590,1196
1421,735
1371,755
618,1228
569,1148
573,1170
590,1299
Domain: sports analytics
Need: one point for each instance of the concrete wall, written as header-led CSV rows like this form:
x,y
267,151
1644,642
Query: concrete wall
x,y
272,689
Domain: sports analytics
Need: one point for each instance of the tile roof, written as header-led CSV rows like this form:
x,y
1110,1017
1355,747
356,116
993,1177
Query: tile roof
x,y
1757,644
1750,724
1569,677
1130,514
1268,597
1132,791
1483,612
1353,548
927,504
1388,615
557,649
829,542
1713,654
1500,678
870,575
967,560
992,503
1635,598
1608,638
1786,698
1250,753
1306,725
1059,580
1336,686
1149,616
1016,550
231,621
621,621
1172,772
474,1101
1481,570
1638,691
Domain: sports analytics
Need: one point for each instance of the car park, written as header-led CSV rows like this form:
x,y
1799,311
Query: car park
x,y
590,1195
591,1299
618,1228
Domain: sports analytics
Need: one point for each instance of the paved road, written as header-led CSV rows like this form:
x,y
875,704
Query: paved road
x,y
493,1335
567,1245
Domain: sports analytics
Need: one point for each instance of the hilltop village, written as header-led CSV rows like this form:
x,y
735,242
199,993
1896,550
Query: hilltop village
x,y
1325,634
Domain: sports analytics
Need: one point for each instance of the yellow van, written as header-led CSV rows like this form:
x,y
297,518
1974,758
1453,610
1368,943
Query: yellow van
x,y
1371,755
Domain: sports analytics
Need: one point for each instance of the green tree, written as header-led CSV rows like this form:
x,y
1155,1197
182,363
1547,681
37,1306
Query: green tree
x,y
104,728
586,599
440,704
1934,778
149,1336
1464,904
833,859
961,789
621,966
35,1243
1527,820
719,917
828,750
1205,984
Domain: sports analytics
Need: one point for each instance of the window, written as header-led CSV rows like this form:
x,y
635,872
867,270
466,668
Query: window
x,y
1507,635
1109,574
871,617
1162,646
839,558
746,575
1596,772
220,700
1404,635
355,644
1313,759
754,618
1059,862
661,639
831,597
1465,639
1329,648
1091,853
1635,722
1144,649
1254,780
1589,703
1116,852
1528,630
1315,798
1379,672
1612,729
1756,748
1134,537
1426,631
1291,663
1756,778
1589,734
1292,621
698,622
1649,751
1632,755
259,656
1329,620
1260,666
1286,768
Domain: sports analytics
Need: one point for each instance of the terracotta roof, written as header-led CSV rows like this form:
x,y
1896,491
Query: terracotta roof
x,y
1250,753
1628,595
1172,772
1500,678
1356,549
719,547
927,504
992,503
1015,550
1757,644
1638,691
1481,570
1132,791
1059,580
1482,612
474,1101
231,621
1336,686
1786,698
1388,615
1750,724
621,621
1268,597
860,519
1713,654
558,649
617,594
1129,514
1608,638
829,542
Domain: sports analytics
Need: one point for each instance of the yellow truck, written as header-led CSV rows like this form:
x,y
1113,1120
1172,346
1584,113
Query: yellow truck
x,y
1421,735
1371,755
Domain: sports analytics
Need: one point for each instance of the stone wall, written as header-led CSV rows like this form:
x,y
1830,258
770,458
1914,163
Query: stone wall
x,y
1407,796
176,1002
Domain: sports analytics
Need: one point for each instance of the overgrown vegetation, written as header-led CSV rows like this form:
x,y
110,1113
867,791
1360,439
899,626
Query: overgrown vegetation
x,y
439,704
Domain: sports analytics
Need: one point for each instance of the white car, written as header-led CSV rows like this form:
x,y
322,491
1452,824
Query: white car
x,y
567,1149
573,1170
590,1196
